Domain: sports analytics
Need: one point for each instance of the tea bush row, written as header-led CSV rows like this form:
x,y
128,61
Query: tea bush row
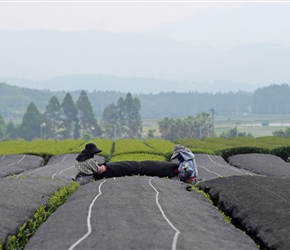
x,y
28,229
124,148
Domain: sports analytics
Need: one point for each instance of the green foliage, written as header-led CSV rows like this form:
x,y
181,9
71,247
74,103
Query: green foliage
x,y
69,118
61,195
11,132
160,145
198,126
196,144
282,152
271,142
109,121
205,193
151,133
2,127
132,117
28,229
31,122
41,147
87,137
138,157
273,99
52,118
88,121
123,120
241,150
131,146
219,146
233,132
282,133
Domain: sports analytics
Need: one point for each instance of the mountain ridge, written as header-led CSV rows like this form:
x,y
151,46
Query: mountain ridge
x,y
42,58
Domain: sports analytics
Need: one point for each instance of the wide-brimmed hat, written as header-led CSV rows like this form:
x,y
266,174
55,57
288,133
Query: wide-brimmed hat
x,y
177,149
91,149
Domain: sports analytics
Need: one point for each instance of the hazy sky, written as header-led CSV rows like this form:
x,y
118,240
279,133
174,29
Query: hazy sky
x,y
115,16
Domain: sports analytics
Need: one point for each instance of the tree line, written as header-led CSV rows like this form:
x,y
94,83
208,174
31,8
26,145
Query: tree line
x,y
270,100
123,119
69,119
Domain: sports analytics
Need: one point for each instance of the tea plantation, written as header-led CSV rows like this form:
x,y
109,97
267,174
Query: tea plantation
x,y
240,202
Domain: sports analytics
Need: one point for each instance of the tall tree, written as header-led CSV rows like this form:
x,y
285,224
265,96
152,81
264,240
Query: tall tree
x,y
165,127
282,133
120,126
132,116
69,117
32,125
11,132
123,119
189,127
88,121
52,117
110,123
2,127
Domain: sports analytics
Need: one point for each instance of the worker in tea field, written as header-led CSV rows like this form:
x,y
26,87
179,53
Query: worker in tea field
x,y
87,166
187,170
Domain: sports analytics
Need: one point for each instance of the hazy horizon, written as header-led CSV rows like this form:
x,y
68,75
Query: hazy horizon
x,y
226,41
117,16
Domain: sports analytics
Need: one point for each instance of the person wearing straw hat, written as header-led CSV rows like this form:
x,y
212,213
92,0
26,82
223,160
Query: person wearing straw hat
x,y
87,166
187,170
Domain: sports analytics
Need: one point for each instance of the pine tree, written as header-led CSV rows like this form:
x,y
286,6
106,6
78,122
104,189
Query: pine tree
x,y
88,121
11,132
123,119
52,117
32,125
69,117
133,117
2,127
110,121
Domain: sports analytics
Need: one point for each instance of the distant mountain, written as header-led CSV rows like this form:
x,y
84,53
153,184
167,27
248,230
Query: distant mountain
x,y
249,23
134,85
178,57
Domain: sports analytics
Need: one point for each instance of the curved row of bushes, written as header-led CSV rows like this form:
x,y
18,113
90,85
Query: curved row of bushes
x,y
126,150
28,229
156,149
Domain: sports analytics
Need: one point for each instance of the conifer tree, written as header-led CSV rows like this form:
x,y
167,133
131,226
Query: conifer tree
x,y
123,119
11,131
32,123
110,122
2,127
52,117
69,117
88,121
132,116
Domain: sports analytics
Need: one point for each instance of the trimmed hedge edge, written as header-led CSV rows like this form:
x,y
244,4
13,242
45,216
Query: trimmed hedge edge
x,y
29,228
227,217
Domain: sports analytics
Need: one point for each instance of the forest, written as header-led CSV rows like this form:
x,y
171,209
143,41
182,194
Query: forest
x,y
182,114
270,100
